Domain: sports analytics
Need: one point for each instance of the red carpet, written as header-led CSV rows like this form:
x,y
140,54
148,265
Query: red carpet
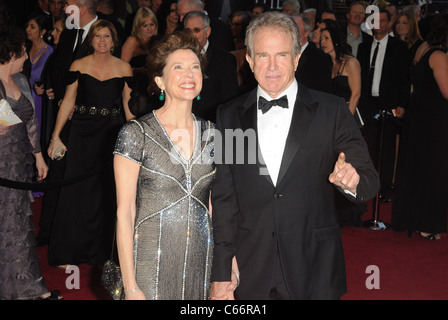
x,y
409,268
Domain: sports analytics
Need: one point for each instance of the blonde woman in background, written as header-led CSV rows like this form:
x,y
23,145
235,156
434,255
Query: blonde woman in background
x,y
137,45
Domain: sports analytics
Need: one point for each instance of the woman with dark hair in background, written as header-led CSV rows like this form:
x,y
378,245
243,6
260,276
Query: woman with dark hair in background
x,y
37,29
420,203
346,83
21,276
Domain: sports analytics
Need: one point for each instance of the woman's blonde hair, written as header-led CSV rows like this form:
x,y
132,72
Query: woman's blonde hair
x,y
139,20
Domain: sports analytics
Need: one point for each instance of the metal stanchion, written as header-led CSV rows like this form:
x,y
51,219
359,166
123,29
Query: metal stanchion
x,y
375,223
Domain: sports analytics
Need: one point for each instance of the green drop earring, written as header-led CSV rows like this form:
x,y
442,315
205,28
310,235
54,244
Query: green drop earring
x,y
198,97
162,96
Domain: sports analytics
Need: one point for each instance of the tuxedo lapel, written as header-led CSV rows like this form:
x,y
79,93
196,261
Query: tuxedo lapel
x,y
302,117
82,51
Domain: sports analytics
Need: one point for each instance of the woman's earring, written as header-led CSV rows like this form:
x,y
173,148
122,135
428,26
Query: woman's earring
x,y
198,97
162,96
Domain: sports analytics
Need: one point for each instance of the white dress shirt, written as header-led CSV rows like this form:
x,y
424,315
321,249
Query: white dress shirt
x,y
273,129
86,31
378,64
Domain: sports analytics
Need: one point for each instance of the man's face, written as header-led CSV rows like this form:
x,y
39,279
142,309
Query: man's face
x,y
182,9
303,34
288,9
384,25
356,15
196,24
43,4
56,7
273,62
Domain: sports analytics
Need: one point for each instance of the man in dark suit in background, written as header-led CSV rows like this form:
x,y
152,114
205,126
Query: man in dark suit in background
x,y
72,42
314,70
352,32
386,86
274,217
385,83
220,82
223,9
42,9
221,35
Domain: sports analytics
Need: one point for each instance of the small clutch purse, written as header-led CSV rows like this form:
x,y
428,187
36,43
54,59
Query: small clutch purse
x,y
112,281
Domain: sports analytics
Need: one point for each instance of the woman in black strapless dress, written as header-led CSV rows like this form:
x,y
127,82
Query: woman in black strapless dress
x,y
346,83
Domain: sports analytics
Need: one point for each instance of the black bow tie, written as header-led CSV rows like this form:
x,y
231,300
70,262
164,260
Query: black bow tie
x,y
265,105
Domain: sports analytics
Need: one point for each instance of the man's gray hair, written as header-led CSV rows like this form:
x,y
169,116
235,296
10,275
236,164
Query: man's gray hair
x,y
307,24
295,4
193,4
91,5
276,20
202,14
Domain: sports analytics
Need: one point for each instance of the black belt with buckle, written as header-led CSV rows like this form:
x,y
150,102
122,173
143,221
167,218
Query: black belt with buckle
x,y
97,111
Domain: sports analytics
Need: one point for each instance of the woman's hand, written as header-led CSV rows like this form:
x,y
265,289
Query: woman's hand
x,y
39,89
50,93
41,166
56,146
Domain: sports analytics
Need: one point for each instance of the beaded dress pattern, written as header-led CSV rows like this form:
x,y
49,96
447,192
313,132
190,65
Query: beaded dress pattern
x,y
173,239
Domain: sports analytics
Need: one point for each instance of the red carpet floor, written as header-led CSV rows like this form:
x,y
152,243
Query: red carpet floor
x,y
408,268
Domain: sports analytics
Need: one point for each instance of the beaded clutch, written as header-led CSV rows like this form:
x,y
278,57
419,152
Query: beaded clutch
x,y
112,281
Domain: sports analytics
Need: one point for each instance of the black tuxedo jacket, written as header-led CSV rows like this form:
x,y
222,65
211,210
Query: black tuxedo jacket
x,y
63,59
220,83
252,218
314,69
395,83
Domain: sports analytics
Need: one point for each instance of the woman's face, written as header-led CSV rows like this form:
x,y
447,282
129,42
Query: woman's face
x,y
402,27
182,76
57,29
326,43
173,16
32,31
17,63
102,41
148,28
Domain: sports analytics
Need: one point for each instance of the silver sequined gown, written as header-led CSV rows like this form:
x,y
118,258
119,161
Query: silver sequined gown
x,y
173,240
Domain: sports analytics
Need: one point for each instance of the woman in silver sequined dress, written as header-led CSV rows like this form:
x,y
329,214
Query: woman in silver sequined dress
x,y
163,170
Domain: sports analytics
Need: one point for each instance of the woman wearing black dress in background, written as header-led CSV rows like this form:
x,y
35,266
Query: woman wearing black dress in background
x,y
346,83
98,88
420,203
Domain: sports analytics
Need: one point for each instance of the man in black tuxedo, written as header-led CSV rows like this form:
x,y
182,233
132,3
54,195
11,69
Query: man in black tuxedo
x,y
71,45
274,218
314,70
385,83
220,82
221,35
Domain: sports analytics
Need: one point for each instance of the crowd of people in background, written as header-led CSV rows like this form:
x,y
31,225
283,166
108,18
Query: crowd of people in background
x,y
88,81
